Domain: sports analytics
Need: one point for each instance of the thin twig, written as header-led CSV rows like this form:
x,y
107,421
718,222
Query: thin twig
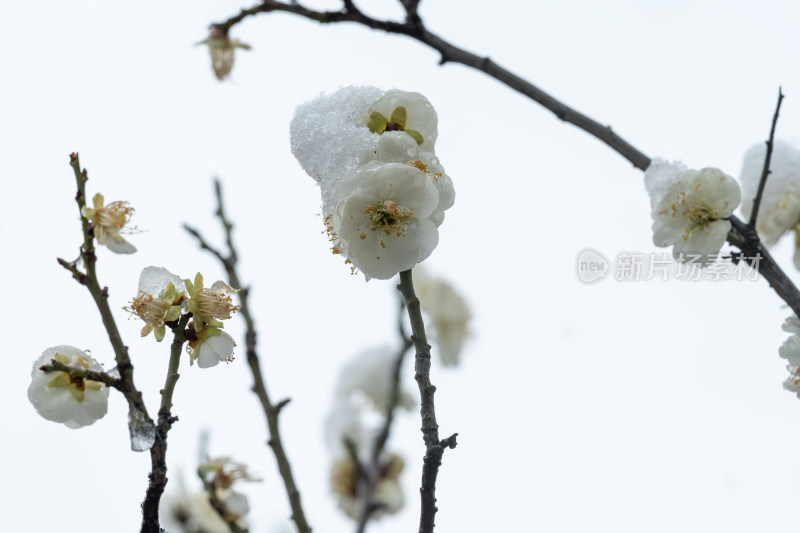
x,y
434,448
765,172
414,28
158,452
136,407
271,411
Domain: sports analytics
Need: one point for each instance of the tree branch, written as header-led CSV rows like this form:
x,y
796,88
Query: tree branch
x,y
766,171
434,448
271,411
414,28
136,407
158,452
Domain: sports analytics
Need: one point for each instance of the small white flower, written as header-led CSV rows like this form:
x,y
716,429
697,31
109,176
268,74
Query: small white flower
x,y
404,111
690,208
213,345
108,222
75,402
383,219
449,313
159,300
399,147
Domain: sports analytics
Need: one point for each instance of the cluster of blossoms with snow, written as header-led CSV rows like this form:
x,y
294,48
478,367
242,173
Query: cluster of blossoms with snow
x,y
384,190
163,297
690,208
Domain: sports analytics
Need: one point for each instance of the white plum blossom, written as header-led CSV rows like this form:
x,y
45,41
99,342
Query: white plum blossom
x,y
210,305
409,112
108,222
74,402
690,208
448,311
159,300
779,212
213,345
397,147
383,221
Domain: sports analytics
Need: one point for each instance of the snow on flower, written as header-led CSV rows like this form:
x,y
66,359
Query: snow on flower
x,y
449,313
222,49
74,402
779,211
387,493
383,221
158,301
212,346
108,222
690,208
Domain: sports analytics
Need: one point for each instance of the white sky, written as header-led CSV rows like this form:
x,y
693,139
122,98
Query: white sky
x,y
624,407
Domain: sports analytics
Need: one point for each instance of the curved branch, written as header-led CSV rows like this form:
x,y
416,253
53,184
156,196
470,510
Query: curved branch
x,y
414,28
271,410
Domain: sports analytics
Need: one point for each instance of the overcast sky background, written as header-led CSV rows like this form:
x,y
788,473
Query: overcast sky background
x,y
625,407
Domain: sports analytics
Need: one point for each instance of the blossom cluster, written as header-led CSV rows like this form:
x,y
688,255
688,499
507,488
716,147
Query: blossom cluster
x,y
384,190
690,208
361,400
163,297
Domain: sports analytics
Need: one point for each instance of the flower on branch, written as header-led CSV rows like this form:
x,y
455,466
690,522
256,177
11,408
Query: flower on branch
x,y
57,396
159,300
779,211
404,111
209,305
690,208
383,220
222,49
448,311
387,496
396,147
108,222
212,346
